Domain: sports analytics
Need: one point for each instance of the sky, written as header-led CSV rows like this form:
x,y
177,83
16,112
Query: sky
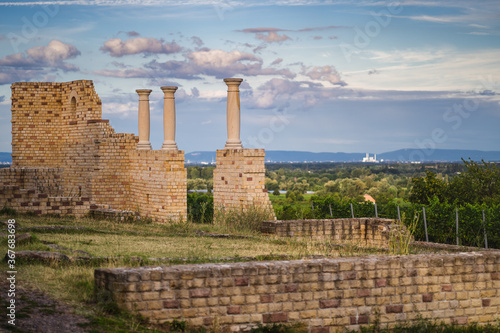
x,y
321,76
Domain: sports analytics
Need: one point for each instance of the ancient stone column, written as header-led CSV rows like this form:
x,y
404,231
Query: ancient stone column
x,y
144,119
169,119
233,114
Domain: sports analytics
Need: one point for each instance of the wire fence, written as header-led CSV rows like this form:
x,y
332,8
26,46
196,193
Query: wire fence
x,y
469,225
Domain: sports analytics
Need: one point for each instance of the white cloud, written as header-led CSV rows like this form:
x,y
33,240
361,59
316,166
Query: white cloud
x,y
478,26
272,37
40,62
118,48
122,110
478,33
323,73
277,61
53,55
432,70
124,73
216,63
410,56
279,93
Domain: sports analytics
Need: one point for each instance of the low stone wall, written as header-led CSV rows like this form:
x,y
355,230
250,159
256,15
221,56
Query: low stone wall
x,y
29,200
39,190
44,180
366,232
325,294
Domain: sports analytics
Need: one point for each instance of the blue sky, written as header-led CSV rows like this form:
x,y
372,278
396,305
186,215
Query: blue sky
x,y
333,76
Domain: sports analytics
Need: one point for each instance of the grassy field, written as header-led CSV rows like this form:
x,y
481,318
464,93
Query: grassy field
x,y
122,243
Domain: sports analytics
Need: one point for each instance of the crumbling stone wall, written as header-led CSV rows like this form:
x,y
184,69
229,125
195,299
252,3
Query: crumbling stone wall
x,y
60,125
239,180
39,190
43,180
366,232
55,125
326,294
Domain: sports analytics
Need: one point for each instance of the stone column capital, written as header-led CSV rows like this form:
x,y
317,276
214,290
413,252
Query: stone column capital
x,y
143,93
169,91
233,83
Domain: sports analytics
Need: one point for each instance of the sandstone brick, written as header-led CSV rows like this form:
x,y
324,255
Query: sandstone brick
x,y
394,309
274,317
202,292
234,309
330,303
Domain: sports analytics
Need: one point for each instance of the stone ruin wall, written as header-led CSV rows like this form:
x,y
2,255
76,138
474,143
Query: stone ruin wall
x,y
239,180
159,184
59,127
327,295
363,232
27,189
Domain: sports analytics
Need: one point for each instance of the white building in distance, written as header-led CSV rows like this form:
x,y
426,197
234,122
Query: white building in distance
x,y
369,159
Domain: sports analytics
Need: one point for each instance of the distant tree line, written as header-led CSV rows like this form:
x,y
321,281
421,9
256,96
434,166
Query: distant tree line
x,y
478,184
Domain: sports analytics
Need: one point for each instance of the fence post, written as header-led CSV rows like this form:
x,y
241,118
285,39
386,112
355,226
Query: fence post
x,y
330,205
484,229
425,226
456,218
352,211
376,212
399,214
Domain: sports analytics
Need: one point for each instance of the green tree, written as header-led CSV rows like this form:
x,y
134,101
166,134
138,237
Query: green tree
x,y
480,183
194,172
426,188
271,185
301,187
207,172
332,186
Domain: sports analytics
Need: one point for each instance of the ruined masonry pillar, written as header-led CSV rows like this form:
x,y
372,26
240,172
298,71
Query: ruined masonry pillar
x,y
169,119
233,114
144,119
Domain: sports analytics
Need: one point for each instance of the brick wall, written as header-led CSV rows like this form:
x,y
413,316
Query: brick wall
x,y
326,294
39,190
43,180
29,200
56,125
239,180
60,125
159,184
111,178
371,232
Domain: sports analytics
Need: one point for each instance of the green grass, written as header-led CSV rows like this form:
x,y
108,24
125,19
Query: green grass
x,y
73,283
431,326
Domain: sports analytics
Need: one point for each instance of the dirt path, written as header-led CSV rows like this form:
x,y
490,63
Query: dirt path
x,y
38,313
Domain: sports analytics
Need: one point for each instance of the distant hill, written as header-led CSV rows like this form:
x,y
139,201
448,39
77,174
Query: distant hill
x,y
402,155
444,155
280,156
